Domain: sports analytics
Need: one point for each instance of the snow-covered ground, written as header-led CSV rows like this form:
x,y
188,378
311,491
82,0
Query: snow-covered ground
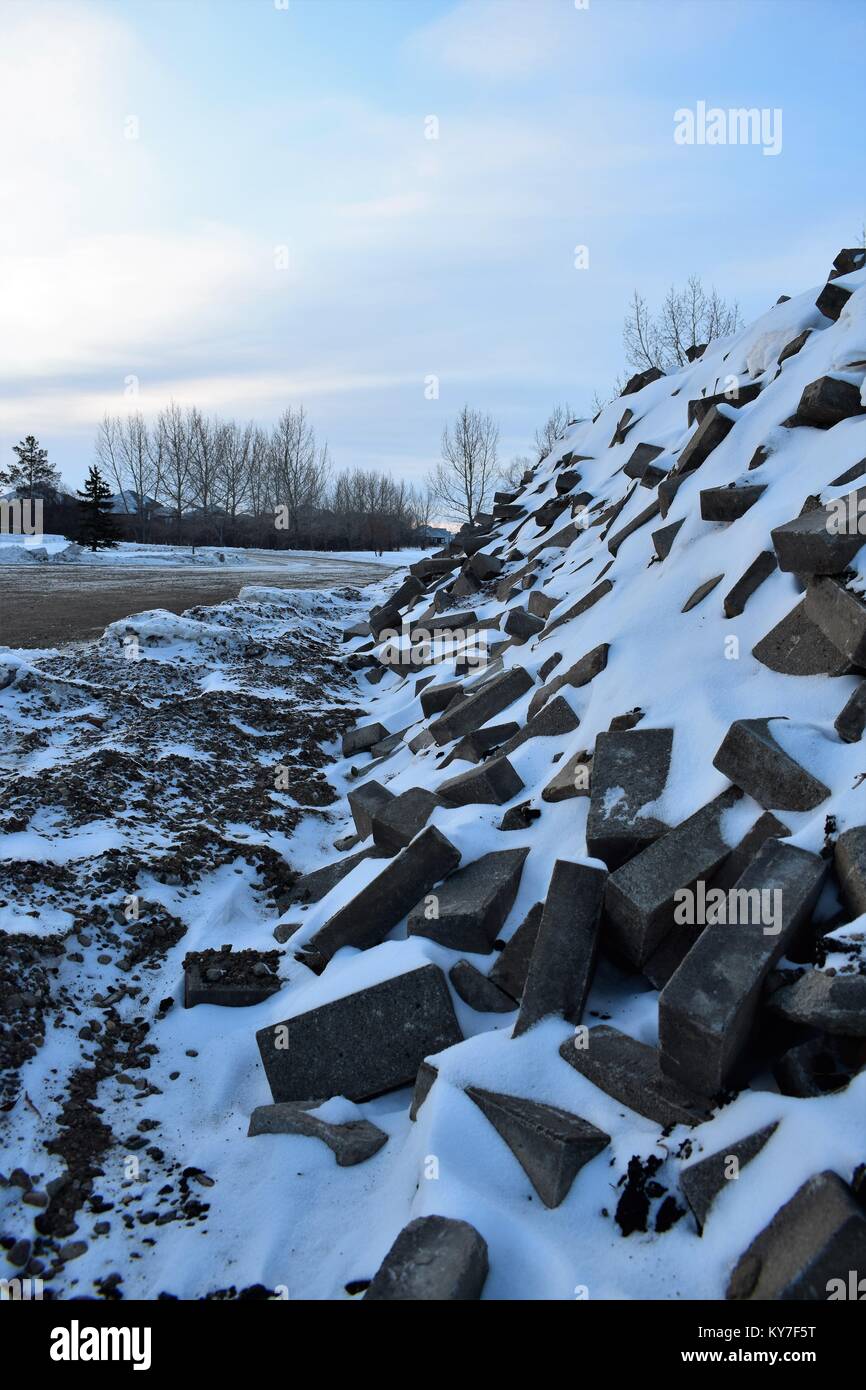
x,y
39,549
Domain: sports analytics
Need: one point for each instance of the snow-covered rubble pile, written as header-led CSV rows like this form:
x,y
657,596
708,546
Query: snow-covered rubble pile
x,y
593,895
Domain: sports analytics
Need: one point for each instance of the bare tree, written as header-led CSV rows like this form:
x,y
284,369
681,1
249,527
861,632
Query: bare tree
x,y
464,476
235,455
688,317
125,454
300,467
511,473
553,430
176,430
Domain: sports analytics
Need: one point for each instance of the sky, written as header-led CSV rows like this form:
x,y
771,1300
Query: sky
x,y
374,207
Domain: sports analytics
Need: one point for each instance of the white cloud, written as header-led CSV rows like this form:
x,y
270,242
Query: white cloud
x,y
496,39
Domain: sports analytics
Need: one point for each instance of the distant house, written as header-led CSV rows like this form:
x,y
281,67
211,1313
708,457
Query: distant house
x,y
432,535
126,503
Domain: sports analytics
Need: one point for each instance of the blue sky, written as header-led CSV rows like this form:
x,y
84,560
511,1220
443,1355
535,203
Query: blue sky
x,y
281,229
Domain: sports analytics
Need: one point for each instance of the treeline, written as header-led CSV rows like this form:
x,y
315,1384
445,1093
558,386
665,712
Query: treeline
x,y
192,478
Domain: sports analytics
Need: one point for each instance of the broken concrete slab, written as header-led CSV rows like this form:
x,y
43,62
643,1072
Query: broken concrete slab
x,y
477,745
436,698
364,801
823,540
850,865
478,990
736,397
640,380
482,706
230,979
554,721
834,1003
797,647
794,346
629,1071
639,900
648,514
750,756
511,967
736,598
398,821
808,1250
541,605
384,902
715,426
572,779
563,958
312,887
640,458
832,300
551,1145
364,1044
351,1143
485,566
766,827
427,1075
582,606
828,400
578,675
629,770
433,1259
840,614
851,719
664,538
729,503
492,783
467,912
521,625
363,738
701,593
702,1182
819,1067
707,1009
849,259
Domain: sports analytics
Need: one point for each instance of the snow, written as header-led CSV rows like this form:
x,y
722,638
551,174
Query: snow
x,y
22,549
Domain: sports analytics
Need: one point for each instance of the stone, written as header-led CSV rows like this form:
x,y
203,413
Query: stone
x,y
753,760
427,1074
385,619
702,1182
572,779
667,491
578,675
841,616
364,802
383,903
832,300
850,865
423,739
797,647
701,593
621,723
551,1145
850,475
477,745
738,396
351,1143
823,540
794,346
736,598
582,606
521,625
707,1009
851,719
433,1259
541,605
849,259
828,400
629,1071
485,566
729,503
563,958
819,1067
626,422
554,721
816,1238
664,538
227,980
397,823
409,590
639,900
364,1044
519,817
443,623
629,770
312,887
429,568
566,481
482,706
436,698
766,827
511,966
478,991
641,457
363,738
492,783
359,629
648,514
640,380
833,1003
473,904
715,426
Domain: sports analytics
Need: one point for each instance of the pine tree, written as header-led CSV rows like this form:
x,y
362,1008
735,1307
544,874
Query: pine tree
x,y
32,476
97,528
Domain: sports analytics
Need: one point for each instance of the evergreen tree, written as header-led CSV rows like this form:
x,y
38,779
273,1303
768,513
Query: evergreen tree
x,y
32,475
97,528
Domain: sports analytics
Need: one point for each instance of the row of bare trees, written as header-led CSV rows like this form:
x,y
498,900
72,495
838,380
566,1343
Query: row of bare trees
x,y
192,476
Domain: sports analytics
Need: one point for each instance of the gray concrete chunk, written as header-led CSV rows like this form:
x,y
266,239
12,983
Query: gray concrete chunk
x,y
851,719
492,783
563,958
364,801
664,538
640,458
482,706
364,1044
362,738
702,1182
398,821
551,1145
729,503
808,1250
737,597
708,1007
477,745
648,514
511,966
639,901
582,606
555,720
521,625
828,400
471,907
850,862
714,427
701,593
629,770
629,1071
797,647
436,698
823,540
578,675
841,616
433,1259
478,990
750,756
427,1075
541,605
350,1143
832,1003
572,779
383,903
312,887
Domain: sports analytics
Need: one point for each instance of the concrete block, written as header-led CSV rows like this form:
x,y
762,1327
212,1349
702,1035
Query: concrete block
x,y
471,907
841,616
701,593
492,783
664,538
753,760
521,625
350,1143
851,719
478,991
511,966
823,540
578,675
831,1003
797,647
629,1071
474,747
582,606
551,1145
714,427
640,458
629,770
482,706
737,597
648,514
809,1248
828,400
563,958
702,1182
362,738
427,1075
398,821
364,801
850,864
433,1259
729,503
554,721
